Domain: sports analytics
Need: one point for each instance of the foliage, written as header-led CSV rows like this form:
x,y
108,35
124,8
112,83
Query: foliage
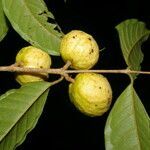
x,y
132,34
128,124
3,23
24,107
30,19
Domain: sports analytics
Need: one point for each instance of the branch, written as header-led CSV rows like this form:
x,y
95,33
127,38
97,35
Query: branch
x,y
13,68
63,71
122,71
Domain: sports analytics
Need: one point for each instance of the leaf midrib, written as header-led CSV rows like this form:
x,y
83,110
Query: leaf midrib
x,y
134,116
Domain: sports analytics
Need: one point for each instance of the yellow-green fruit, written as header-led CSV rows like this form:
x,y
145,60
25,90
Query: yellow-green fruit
x,y
91,93
80,48
32,57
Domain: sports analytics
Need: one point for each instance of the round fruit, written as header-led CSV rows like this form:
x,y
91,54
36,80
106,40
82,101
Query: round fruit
x,y
80,49
91,93
32,57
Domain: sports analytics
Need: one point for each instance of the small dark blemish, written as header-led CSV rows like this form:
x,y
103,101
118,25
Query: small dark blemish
x,y
91,51
89,39
100,87
41,67
73,37
61,36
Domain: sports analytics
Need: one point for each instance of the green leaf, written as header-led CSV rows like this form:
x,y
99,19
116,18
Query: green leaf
x,y
3,23
30,19
132,34
19,112
128,125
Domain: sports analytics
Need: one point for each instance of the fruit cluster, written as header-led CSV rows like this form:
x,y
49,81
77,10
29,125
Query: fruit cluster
x,y
91,93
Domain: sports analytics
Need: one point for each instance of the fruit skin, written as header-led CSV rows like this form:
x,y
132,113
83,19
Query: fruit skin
x,y
91,93
80,48
32,57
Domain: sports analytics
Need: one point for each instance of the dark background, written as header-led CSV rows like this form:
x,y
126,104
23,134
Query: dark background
x,y
61,126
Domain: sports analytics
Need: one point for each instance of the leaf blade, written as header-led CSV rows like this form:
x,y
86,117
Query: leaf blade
x,y
3,23
128,124
30,19
132,34
23,106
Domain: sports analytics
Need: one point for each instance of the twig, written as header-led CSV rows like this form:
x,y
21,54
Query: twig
x,y
59,71
122,71
13,68
63,72
66,66
57,81
68,78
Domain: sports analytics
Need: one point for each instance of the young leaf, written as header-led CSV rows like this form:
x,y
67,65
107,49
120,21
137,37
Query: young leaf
x,y
3,24
19,112
32,20
128,124
132,34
